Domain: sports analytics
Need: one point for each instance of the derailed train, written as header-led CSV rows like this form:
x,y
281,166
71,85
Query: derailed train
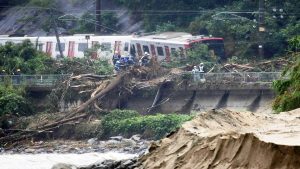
x,y
162,46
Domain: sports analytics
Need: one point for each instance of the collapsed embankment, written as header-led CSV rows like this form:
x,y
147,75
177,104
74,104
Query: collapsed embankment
x,y
226,139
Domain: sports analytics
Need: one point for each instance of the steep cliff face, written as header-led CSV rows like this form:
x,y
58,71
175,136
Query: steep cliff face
x,y
224,139
35,21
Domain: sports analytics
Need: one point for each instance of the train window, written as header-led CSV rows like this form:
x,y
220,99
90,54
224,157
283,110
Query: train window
x,y
181,52
82,47
62,47
173,50
40,46
132,50
126,46
146,49
106,46
95,44
160,51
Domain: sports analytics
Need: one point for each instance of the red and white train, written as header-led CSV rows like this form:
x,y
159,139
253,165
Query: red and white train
x,y
160,45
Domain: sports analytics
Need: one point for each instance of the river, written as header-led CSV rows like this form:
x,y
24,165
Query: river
x,y
46,161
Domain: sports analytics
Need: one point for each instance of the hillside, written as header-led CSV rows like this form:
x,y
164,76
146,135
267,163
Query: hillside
x,y
37,21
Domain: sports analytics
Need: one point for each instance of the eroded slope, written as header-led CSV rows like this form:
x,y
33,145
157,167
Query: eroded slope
x,y
225,139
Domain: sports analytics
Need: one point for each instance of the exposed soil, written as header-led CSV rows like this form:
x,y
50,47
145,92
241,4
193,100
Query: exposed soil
x,y
225,139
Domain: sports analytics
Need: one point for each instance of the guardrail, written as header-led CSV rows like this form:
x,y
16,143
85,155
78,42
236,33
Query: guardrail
x,y
33,80
240,77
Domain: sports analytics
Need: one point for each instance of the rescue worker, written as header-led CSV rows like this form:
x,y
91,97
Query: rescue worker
x,y
145,59
201,71
117,65
2,74
131,60
201,68
18,76
195,72
18,72
116,57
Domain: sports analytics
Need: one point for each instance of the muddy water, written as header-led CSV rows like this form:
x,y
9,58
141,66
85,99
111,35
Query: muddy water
x,y
46,161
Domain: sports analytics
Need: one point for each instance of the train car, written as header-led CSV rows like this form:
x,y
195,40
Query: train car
x,y
163,45
76,45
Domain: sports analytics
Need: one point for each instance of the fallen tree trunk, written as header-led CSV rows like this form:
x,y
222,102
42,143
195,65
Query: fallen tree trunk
x,y
57,123
71,117
114,83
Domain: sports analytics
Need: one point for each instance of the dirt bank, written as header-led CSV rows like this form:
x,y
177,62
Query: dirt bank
x,y
225,139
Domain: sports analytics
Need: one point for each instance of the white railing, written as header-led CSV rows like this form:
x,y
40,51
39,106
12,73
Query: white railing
x,y
33,80
240,77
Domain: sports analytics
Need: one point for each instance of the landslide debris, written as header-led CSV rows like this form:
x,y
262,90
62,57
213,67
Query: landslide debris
x,y
223,139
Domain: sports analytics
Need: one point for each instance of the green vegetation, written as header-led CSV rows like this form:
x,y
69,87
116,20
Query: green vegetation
x,y
196,55
43,3
128,122
86,23
84,65
13,101
214,17
288,89
25,57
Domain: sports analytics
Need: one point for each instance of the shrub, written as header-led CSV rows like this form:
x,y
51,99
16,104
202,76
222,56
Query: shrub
x,y
288,89
14,104
12,101
43,3
127,123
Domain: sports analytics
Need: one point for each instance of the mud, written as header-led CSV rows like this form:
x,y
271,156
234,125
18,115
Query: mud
x,y
223,139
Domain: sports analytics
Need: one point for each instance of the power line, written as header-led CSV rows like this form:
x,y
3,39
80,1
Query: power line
x,y
236,42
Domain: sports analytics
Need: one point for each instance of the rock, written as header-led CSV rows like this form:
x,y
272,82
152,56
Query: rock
x,y
117,138
112,142
111,164
128,142
29,150
63,166
92,141
136,137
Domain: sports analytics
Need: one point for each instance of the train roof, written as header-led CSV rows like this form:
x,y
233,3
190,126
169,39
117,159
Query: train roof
x,y
174,37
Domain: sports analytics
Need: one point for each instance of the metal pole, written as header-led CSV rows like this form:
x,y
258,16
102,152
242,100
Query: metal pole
x,y
261,27
56,34
98,17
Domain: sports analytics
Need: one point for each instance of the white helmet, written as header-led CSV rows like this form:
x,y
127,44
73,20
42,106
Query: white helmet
x,y
146,53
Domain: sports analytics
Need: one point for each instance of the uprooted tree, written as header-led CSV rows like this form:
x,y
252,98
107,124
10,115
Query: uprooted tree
x,y
97,87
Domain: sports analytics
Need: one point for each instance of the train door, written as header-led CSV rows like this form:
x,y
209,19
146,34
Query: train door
x,y
152,48
95,48
139,49
153,52
49,48
117,47
132,50
168,56
71,49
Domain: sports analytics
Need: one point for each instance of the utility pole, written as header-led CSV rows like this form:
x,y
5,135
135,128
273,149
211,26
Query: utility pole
x,y
98,17
56,34
261,27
